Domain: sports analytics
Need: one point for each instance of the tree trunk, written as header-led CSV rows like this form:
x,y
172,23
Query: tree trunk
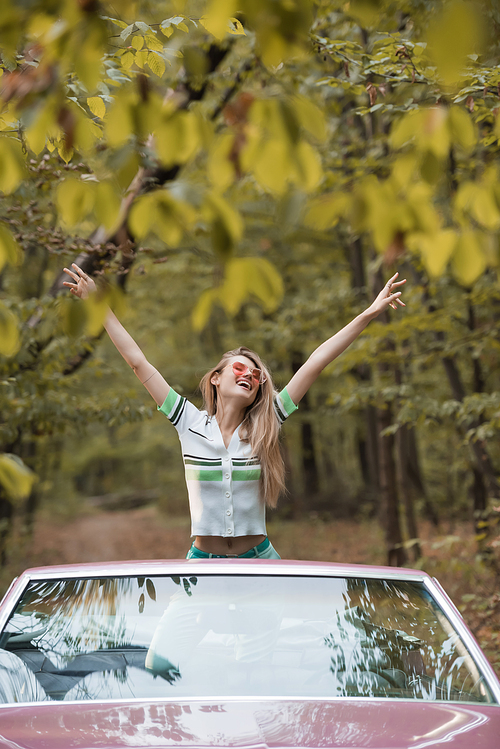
x,y
368,439
388,490
387,465
484,465
310,474
406,491
415,476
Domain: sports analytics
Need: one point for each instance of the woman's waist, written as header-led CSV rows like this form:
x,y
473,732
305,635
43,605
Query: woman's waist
x,y
225,545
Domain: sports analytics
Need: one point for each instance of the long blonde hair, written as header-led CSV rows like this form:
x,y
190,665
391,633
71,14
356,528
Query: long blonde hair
x,y
259,427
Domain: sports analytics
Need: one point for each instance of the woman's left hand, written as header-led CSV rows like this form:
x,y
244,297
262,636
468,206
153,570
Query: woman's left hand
x,y
389,296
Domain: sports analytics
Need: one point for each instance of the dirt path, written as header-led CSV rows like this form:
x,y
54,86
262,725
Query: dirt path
x,y
146,534
110,536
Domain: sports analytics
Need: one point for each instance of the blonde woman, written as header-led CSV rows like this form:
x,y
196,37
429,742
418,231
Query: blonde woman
x,y
231,451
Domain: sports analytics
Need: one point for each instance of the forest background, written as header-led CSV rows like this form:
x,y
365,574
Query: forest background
x,y
251,172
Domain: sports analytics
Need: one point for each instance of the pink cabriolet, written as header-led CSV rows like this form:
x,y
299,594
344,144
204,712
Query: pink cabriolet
x,y
237,653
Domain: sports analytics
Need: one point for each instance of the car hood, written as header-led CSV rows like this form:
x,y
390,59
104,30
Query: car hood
x,y
372,724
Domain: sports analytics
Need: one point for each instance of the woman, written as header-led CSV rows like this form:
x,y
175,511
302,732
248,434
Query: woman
x,y
231,451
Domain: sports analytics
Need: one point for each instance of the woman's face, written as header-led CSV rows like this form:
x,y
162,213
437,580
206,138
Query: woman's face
x,y
240,382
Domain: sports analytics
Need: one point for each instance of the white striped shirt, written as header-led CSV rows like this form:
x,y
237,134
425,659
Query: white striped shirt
x,y
222,483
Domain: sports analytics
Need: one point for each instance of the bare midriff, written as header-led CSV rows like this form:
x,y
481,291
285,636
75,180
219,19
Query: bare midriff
x,y
223,545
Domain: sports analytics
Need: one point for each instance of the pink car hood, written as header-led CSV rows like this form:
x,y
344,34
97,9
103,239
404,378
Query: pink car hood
x,y
370,724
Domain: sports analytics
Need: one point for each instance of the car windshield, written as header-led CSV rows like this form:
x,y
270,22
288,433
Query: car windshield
x,y
233,635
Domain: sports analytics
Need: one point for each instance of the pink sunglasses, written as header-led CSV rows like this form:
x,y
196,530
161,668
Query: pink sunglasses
x,y
255,373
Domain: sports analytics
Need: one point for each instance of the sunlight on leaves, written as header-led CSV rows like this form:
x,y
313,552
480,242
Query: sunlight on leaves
x,y
15,477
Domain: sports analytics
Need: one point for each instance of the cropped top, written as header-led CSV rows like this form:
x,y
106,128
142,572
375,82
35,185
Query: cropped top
x,y
222,483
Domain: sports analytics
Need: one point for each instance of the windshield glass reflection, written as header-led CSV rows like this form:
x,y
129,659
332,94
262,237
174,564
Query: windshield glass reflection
x,y
215,635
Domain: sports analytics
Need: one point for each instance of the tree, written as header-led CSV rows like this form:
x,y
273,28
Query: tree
x,y
243,134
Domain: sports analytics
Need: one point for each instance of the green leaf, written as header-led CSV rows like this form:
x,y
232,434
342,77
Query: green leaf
x,y
244,279
142,216
235,27
220,169
156,64
462,128
42,124
12,164
65,152
73,314
308,167
177,138
311,117
403,170
203,308
127,59
87,57
9,332
10,252
484,207
15,477
406,129
96,106
436,249
456,32
160,213
119,122
272,166
96,308
152,42
107,205
227,224
325,211
262,280
469,260
75,200
278,118
366,11
217,18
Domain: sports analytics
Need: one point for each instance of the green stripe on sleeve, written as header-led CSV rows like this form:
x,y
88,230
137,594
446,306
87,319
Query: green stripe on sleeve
x,y
287,402
168,403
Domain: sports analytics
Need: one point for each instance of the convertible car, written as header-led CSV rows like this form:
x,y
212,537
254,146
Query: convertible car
x,y
237,653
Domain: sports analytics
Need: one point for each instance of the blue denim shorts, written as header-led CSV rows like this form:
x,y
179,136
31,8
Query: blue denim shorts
x,y
264,550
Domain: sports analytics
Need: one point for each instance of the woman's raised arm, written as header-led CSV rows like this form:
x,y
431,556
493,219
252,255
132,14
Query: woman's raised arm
x,y
152,380
334,346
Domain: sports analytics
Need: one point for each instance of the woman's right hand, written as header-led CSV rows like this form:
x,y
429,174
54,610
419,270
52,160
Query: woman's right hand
x,y
83,285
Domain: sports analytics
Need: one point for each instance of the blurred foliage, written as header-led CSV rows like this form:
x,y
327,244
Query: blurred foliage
x,y
224,158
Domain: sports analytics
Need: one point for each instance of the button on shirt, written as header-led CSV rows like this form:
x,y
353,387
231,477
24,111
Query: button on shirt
x,y
223,483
